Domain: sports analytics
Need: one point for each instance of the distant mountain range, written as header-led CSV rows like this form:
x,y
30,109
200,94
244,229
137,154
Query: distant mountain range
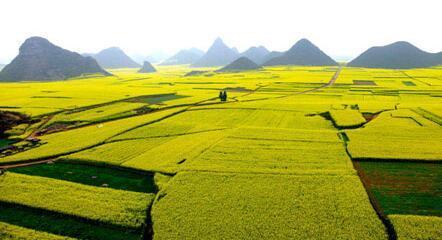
x,y
398,55
2,66
39,59
147,68
303,53
114,57
256,54
271,55
219,54
240,64
187,56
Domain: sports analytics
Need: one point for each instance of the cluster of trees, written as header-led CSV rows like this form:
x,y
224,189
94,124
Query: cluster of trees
x,y
223,95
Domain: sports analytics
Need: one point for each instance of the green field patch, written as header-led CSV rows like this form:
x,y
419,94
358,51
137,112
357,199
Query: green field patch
x,y
136,79
102,205
387,93
417,227
229,89
155,99
61,97
4,142
264,206
404,188
19,222
92,175
364,83
409,83
13,232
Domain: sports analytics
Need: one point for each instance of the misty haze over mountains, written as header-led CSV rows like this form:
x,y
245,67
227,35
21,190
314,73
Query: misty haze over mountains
x,y
114,57
186,56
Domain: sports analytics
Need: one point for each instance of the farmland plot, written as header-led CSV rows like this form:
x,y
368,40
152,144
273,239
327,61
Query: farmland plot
x,y
169,156
116,207
91,175
251,149
258,154
388,137
116,153
108,112
286,119
266,164
263,206
66,208
12,232
404,187
44,98
86,137
347,118
45,222
417,227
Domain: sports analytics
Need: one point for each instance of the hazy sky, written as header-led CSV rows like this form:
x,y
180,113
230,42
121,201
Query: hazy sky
x,y
339,27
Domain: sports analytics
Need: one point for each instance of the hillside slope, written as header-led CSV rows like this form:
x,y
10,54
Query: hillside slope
x,y
114,57
39,59
219,54
303,53
398,55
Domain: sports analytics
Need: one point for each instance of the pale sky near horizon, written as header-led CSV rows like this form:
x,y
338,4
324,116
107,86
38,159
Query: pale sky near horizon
x,y
339,28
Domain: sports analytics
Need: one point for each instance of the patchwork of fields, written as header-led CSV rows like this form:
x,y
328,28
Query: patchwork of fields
x,y
287,156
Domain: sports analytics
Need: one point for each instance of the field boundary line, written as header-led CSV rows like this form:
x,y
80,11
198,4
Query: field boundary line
x,y
329,83
389,228
86,220
392,235
348,172
284,140
396,160
166,136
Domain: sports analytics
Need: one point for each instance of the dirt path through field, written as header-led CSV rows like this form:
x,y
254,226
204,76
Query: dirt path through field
x,y
331,82
24,164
